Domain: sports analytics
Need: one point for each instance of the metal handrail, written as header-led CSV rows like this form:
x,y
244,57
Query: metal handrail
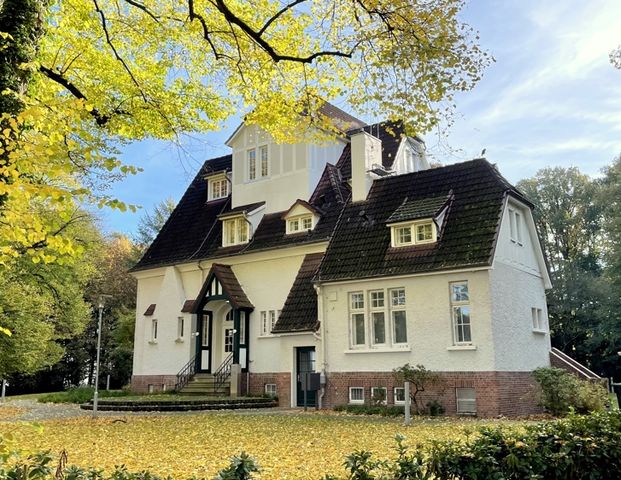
x,y
223,373
186,373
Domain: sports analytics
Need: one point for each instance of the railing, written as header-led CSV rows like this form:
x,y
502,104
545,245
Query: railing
x,y
223,373
186,374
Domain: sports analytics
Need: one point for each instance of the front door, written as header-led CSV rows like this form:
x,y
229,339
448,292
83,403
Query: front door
x,y
203,348
305,362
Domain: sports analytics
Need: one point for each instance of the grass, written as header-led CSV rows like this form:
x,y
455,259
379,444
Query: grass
x,y
286,446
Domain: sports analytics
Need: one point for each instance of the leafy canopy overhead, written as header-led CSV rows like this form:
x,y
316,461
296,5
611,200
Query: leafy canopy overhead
x,y
82,77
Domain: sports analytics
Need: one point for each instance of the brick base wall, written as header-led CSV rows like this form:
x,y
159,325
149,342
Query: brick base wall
x,y
140,383
282,381
497,393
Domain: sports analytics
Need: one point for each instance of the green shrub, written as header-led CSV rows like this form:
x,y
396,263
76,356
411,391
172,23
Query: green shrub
x,y
562,392
435,408
80,395
383,410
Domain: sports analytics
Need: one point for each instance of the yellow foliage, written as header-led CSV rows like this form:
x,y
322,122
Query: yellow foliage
x,y
7,412
287,446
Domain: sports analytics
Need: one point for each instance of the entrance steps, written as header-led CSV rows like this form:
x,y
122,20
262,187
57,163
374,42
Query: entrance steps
x,y
204,384
561,360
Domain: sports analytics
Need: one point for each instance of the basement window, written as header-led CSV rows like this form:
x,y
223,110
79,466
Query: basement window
x,y
399,395
356,395
466,401
270,389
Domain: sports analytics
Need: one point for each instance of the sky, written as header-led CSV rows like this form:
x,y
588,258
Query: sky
x,y
551,98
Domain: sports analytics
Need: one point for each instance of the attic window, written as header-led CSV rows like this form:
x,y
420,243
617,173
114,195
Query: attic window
x,y
235,231
299,224
414,233
218,188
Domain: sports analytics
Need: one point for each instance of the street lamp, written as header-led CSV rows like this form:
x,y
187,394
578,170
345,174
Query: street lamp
x,y
99,321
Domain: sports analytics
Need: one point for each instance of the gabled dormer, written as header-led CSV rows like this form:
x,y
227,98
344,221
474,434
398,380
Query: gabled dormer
x,y
419,221
301,217
239,224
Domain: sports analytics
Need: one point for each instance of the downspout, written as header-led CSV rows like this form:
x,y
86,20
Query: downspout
x,y
322,338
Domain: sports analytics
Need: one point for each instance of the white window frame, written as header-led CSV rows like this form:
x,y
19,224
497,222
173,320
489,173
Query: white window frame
x,y
264,327
251,165
270,389
239,224
358,401
395,307
374,391
538,319
273,320
263,166
356,309
394,395
396,237
460,304
296,224
153,330
257,163
467,396
515,226
180,329
218,187
377,305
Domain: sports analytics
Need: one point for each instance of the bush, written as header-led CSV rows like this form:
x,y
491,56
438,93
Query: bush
x,y
80,395
562,392
382,410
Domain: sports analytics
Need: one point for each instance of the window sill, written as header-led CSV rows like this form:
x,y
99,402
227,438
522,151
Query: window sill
x,y
179,340
356,402
269,335
152,342
379,350
454,348
539,332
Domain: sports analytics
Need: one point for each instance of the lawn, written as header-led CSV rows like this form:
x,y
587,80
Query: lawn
x,y
286,446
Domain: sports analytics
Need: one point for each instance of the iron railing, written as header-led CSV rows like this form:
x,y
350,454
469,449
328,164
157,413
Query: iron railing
x,y
223,373
186,374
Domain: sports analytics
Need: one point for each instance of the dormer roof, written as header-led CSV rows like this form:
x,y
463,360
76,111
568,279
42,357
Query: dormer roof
x,y
242,210
419,208
303,203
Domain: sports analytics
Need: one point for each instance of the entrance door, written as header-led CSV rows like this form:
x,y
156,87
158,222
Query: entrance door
x,y
305,362
203,347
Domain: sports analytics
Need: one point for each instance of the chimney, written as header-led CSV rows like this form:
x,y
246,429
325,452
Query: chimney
x,y
366,151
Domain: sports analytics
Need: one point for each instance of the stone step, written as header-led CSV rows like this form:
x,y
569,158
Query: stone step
x,y
180,406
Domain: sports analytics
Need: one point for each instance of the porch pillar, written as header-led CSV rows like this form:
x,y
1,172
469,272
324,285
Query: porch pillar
x,y
236,336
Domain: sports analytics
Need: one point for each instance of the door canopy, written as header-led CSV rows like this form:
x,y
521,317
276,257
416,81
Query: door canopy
x,y
222,284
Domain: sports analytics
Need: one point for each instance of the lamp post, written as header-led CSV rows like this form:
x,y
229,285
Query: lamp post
x,y
99,322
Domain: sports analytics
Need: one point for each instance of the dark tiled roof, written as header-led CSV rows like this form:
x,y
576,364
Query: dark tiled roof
x,y
360,246
150,310
418,208
230,285
390,133
342,120
243,208
188,306
194,232
299,313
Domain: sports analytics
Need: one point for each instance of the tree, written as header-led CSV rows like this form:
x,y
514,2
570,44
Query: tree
x,y
150,224
570,221
85,76
420,378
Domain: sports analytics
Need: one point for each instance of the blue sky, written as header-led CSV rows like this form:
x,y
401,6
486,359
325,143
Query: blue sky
x,y
552,98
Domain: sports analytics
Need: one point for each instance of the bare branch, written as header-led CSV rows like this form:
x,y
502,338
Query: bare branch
x,y
278,14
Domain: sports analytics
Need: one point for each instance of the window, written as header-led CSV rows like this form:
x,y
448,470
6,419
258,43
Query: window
x,y
242,328
379,395
252,164
538,321
357,318
235,231
205,333
228,339
272,319
270,389
416,233
399,395
218,188
398,316
460,311
264,162
180,327
356,395
515,226
154,330
378,317
268,321
300,224
229,316
264,327
466,401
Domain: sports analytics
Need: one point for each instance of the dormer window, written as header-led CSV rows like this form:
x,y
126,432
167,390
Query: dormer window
x,y
218,187
301,217
300,224
235,231
415,233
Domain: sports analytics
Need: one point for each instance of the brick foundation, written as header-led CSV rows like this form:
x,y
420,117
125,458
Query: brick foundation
x,y
282,381
497,393
140,383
